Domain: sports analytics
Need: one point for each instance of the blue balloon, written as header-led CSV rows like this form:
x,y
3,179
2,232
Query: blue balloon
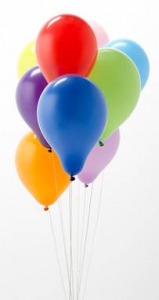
x,y
72,115
136,53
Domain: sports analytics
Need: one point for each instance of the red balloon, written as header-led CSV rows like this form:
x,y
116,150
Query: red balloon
x,y
66,44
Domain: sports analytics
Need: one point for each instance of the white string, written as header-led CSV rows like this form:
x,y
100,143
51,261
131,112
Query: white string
x,y
61,222
82,236
85,242
77,246
94,234
71,292
57,255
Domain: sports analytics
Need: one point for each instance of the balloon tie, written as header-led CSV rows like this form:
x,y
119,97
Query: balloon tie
x,y
50,150
86,185
72,178
46,208
101,144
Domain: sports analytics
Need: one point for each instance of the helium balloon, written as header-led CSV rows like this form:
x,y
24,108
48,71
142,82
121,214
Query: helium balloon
x,y
117,77
28,93
66,45
27,59
72,115
41,172
100,34
99,158
136,53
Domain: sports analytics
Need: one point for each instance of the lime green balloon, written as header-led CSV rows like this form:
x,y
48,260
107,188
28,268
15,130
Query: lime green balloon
x,y
27,59
118,78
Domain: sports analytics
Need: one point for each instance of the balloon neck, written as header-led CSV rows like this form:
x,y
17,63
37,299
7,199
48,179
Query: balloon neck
x,y
72,178
86,185
49,150
101,144
46,208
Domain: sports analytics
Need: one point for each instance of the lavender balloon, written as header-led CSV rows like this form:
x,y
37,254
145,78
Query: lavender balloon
x,y
28,92
99,158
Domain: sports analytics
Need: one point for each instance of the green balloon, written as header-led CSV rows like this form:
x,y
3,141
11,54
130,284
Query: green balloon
x,y
118,78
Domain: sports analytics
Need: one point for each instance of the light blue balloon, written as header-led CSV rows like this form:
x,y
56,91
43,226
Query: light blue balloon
x,y
72,115
136,53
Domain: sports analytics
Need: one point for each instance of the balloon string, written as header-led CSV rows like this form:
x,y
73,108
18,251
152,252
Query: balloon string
x,y
71,293
57,255
78,225
61,223
94,234
82,232
85,241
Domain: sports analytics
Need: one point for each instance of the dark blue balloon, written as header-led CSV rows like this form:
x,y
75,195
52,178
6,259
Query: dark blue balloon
x,y
72,115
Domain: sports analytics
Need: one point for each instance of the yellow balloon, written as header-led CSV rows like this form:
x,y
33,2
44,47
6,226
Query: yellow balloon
x,y
27,59
40,171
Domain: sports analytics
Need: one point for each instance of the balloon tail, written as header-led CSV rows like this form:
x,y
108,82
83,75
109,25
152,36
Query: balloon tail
x,y
101,144
50,150
86,185
72,178
46,208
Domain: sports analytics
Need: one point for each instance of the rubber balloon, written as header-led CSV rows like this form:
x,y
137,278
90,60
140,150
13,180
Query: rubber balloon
x,y
41,172
28,93
100,34
27,59
66,45
72,115
118,78
136,53
99,158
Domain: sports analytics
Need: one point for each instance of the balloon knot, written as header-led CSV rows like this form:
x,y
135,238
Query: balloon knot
x,y
101,144
50,150
46,208
86,185
72,178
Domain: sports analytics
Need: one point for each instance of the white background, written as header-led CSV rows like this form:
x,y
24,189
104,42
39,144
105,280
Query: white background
x,y
126,254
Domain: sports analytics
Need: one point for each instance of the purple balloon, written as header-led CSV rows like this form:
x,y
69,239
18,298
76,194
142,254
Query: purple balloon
x,y
99,158
28,92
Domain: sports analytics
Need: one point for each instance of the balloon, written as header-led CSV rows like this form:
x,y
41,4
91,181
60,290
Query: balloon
x,y
99,158
27,59
72,115
41,172
100,34
66,45
28,93
136,53
118,78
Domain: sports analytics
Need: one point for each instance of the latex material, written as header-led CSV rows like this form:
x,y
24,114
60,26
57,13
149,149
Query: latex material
x,y
136,53
27,59
99,158
118,78
72,115
66,45
40,171
100,34
28,93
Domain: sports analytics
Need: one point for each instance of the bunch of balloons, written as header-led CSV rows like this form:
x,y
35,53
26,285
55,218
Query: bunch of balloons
x,y
76,89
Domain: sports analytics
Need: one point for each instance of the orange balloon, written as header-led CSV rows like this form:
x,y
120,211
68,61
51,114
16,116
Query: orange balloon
x,y
40,171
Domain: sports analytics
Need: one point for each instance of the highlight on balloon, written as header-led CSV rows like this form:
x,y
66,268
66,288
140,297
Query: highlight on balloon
x,y
76,88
